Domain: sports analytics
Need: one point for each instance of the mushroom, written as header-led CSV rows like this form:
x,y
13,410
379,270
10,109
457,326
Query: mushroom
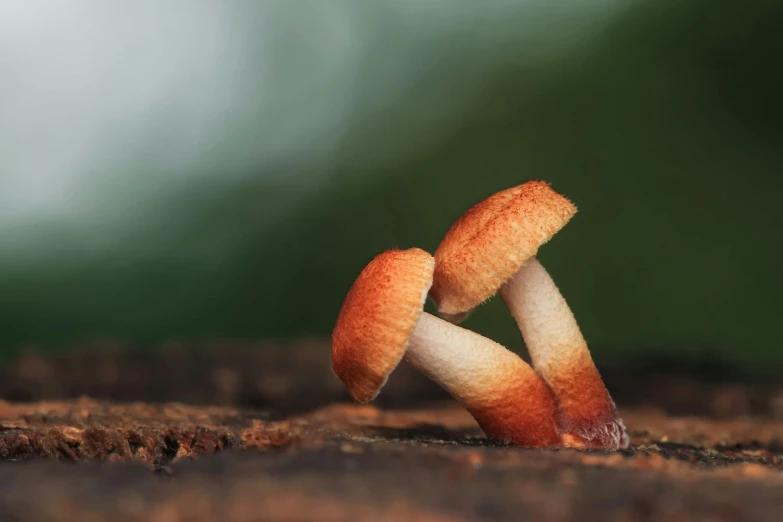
x,y
492,247
382,320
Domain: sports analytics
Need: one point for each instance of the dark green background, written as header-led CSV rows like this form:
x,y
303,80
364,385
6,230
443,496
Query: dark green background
x,y
663,124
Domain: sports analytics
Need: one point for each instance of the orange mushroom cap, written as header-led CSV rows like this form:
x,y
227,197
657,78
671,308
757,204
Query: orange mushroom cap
x,y
488,244
377,318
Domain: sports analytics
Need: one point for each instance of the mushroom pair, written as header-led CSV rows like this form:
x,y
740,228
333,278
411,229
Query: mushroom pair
x,y
491,248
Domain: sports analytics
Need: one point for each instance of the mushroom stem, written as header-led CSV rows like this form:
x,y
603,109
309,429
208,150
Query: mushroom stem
x,y
587,416
508,399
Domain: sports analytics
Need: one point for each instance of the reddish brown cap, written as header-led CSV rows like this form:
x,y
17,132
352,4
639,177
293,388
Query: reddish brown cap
x,y
377,318
491,241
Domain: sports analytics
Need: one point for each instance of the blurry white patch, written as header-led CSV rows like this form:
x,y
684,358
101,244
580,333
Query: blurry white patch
x,y
111,109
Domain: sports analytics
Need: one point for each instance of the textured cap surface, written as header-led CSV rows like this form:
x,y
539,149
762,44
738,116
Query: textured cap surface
x,y
377,318
490,242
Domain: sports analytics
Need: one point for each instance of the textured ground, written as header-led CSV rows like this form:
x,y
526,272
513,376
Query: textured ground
x,y
94,460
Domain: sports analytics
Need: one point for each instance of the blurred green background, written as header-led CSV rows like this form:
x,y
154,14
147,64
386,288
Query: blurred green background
x,y
202,169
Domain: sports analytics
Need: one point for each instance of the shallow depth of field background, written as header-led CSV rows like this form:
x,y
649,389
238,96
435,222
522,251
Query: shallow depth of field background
x,y
224,169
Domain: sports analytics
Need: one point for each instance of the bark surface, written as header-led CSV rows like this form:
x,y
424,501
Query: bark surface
x,y
264,439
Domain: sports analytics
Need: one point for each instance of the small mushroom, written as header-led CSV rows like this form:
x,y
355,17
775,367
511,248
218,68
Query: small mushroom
x,y
492,247
382,320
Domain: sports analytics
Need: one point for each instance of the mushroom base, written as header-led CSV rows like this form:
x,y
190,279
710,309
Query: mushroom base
x,y
606,433
587,416
510,401
522,416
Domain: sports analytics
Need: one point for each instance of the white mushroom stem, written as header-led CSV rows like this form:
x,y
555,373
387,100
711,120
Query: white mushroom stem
x,y
508,399
587,415
463,362
548,326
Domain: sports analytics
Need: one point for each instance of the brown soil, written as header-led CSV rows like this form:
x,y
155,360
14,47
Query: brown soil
x,y
95,460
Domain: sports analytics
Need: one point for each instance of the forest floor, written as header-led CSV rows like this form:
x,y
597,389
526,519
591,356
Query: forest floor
x,y
241,432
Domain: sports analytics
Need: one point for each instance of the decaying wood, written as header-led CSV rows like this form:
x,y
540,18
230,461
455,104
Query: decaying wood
x,y
237,458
